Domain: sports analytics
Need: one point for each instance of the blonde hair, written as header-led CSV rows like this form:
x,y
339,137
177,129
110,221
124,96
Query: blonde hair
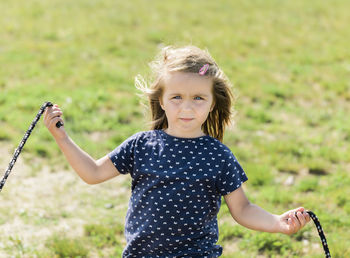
x,y
188,59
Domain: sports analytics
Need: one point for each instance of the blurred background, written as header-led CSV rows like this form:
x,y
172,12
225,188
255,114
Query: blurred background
x,y
289,62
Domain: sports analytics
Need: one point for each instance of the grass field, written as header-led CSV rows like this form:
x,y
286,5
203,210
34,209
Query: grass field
x,y
289,62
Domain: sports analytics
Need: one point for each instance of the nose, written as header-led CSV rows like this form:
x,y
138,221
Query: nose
x,y
187,105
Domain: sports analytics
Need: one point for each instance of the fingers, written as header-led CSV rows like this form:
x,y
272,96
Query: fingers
x,y
295,220
52,116
299,218
52,112
302,215
54,121
293,223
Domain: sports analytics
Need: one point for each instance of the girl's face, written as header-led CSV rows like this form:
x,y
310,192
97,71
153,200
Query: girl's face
x,y
187,100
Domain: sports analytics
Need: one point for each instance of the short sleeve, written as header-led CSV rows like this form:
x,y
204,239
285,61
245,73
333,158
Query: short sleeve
x,y
123,156
231,177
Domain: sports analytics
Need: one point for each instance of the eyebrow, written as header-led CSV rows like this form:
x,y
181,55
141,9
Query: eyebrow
x,y
197,94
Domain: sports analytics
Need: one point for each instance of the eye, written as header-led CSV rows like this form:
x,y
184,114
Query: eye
x,y
198,98
177,97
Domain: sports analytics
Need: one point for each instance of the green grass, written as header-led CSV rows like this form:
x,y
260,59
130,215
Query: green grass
x,y
103,240
66,247
288,61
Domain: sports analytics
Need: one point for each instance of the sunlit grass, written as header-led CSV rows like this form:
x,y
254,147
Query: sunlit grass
x,y
288,61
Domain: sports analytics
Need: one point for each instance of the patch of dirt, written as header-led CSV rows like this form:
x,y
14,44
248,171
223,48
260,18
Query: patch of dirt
x,y
35,206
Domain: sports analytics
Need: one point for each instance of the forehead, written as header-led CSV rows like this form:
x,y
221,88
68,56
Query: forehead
x,y
175,82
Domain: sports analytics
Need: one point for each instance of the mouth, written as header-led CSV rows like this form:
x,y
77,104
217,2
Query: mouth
x,y
186,119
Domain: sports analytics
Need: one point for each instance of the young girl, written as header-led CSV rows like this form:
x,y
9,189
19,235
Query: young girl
x,y
180,169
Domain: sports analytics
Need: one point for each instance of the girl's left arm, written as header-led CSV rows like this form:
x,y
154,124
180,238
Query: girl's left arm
x,y
253,217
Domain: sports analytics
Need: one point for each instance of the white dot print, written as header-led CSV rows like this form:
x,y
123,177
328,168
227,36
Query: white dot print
x,y
177,185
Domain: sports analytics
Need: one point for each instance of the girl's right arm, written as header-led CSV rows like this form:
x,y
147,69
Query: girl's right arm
x,y
91,171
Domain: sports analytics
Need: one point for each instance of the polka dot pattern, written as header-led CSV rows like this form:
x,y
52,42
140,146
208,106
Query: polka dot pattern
x,y
177,185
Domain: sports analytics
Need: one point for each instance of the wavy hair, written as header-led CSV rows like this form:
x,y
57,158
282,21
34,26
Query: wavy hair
x,y
188,59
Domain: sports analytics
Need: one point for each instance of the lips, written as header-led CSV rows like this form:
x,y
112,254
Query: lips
x,y
186,119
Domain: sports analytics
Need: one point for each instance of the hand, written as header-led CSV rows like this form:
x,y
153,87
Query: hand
x,y
52,116
292,221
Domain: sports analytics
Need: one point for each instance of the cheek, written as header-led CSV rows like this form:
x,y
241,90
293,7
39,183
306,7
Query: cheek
x,y
173,104
171,108
202,106
204,110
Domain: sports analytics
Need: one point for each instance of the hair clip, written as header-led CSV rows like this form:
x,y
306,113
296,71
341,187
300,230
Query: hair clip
x,y
204,69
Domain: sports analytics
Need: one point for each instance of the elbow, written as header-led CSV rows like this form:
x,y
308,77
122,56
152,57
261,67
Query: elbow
x,y
90,182
92,179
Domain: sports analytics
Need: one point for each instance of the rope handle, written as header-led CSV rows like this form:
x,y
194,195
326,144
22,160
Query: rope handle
x,y
24,140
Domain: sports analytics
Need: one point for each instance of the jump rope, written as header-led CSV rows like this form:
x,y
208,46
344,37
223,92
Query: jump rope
x,y
59,124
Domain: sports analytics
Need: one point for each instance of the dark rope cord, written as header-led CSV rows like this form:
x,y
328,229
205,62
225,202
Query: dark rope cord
x,y
59,124
23,141
320,233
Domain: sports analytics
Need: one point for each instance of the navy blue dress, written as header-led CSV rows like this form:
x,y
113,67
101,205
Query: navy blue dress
x,y
177,185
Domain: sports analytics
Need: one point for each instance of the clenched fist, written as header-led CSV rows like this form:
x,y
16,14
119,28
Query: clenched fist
x,y
52,116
